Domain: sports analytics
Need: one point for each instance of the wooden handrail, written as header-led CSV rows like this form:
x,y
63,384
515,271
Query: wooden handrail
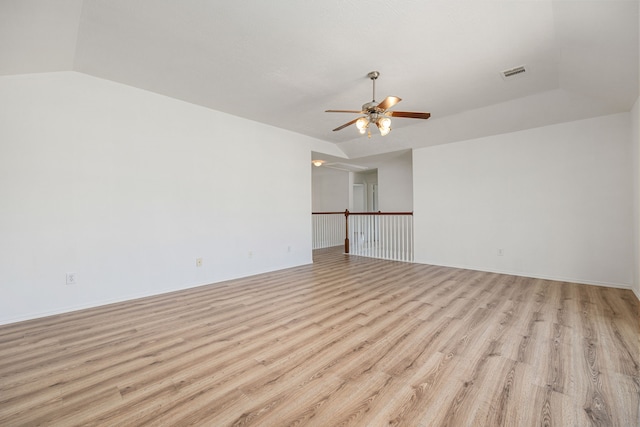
x,y
327,213
380,213
346,214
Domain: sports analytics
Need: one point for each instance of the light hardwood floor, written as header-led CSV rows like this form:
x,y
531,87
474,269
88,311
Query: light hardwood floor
x,y
347,341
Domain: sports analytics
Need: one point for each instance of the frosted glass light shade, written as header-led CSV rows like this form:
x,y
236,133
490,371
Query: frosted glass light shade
x,y
385,122
362,124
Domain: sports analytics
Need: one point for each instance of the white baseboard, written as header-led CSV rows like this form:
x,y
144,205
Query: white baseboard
x,y
540,276
79,307
130,297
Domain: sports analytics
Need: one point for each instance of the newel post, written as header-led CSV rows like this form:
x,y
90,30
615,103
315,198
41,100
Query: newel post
x,y
346,227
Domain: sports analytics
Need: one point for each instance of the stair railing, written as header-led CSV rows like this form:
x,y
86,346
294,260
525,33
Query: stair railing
x,y
386,235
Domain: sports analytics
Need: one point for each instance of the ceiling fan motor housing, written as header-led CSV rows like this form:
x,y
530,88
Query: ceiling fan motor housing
x,y
370,107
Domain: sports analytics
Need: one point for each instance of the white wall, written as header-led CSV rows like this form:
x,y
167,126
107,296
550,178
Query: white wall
x,y
333,191
367,179
555,199
635,144
127,188
395,184
330,190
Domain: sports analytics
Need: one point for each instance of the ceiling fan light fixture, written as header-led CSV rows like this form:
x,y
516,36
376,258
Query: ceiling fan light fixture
x,y
362,123
384,125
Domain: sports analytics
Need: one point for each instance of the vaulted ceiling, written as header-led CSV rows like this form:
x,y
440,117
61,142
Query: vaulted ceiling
x,y
284,62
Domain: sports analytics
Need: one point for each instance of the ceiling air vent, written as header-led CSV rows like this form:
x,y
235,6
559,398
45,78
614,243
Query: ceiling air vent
x,y
513,72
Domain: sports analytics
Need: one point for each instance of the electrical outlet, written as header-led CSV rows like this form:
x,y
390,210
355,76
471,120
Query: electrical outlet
x,y
250,254
288,248
500,252
72,278
198,262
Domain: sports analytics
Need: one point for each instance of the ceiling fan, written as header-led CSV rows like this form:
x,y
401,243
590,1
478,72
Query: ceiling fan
x,y
377,113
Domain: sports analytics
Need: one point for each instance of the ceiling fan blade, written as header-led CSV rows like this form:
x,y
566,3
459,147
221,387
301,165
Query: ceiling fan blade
x,y
346,124
388,102
344,111
409,114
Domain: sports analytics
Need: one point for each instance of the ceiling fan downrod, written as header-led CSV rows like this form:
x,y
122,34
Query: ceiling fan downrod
x,y
373,75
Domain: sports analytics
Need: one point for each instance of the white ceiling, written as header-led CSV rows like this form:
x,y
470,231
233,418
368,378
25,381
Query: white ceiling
x,y
284,62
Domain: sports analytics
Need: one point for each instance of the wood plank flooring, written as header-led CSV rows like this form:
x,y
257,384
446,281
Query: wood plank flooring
x,y
347,341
